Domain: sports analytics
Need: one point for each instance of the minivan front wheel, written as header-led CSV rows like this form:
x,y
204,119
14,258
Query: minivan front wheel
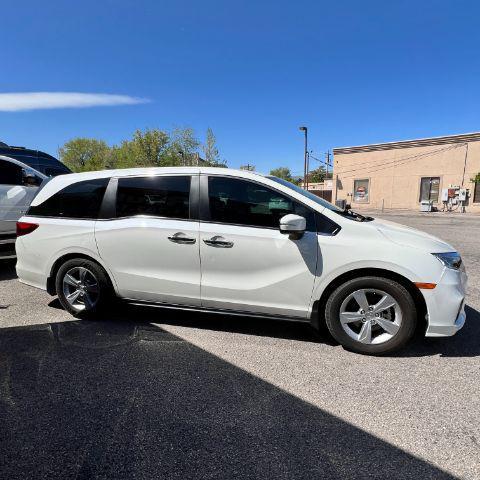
x,y
372,315
82,287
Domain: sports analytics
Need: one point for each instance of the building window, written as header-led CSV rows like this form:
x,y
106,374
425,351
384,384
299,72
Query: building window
x,y
361,190
429,188
476,192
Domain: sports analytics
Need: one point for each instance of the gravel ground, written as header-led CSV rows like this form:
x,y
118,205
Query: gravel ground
x,y
148,393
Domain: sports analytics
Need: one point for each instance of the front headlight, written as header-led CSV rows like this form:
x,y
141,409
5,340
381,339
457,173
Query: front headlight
x,y
450,259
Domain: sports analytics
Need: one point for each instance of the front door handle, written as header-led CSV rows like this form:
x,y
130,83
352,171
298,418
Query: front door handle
x,y
217,241
180,237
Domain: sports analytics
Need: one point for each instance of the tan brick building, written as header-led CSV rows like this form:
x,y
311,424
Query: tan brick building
x,y
398,175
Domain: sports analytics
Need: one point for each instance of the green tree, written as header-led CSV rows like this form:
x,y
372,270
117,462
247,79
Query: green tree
x,y
183,147
146,149
210,149
84,154
282,172
317,175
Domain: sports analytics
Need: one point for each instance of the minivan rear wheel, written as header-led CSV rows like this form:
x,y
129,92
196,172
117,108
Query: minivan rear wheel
x,y
83,287
371,315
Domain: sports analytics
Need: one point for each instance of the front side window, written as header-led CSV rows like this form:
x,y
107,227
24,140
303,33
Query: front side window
x,y
153,196
10,173
79,200
429,188
242,202
361,190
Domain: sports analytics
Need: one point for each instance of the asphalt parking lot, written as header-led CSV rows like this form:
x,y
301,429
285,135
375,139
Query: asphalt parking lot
x,y
150,393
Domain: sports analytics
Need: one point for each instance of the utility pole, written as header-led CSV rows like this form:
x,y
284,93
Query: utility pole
x,y
305,165
327,164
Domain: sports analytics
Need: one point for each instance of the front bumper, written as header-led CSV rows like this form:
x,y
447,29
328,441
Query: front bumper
x,y
446,304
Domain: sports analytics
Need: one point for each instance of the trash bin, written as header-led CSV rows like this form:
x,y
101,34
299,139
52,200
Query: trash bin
x,y
426,206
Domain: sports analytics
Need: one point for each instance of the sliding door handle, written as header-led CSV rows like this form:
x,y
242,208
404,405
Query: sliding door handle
x,y
218,241
180,237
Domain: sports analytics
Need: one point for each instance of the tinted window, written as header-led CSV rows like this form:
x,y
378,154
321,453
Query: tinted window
x,y
51,167
79,200
153,196
10,174
325,226
305,193
247,203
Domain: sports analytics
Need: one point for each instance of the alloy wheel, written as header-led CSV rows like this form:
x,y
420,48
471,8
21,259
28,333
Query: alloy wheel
x,y
81,288
370,316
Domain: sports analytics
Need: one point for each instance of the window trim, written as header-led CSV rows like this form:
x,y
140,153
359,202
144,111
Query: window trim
x,y
439,189
108,208
205,214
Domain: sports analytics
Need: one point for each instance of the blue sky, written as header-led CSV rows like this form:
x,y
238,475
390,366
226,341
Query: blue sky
x,y
353,72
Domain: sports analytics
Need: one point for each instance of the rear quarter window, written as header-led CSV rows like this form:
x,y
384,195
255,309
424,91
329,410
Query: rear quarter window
x,y
79,200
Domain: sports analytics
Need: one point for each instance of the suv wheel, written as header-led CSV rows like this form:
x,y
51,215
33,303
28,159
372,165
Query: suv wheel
x,y
83,287
371,315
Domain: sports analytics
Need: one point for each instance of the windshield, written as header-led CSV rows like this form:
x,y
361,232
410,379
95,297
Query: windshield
x,y
306,193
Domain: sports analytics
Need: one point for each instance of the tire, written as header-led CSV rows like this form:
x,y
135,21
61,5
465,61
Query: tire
x,y
376,331
95,292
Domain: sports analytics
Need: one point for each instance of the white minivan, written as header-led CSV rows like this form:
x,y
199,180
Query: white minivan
x,y
221,240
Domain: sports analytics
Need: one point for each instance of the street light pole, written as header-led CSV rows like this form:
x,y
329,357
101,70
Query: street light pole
x,y
305,166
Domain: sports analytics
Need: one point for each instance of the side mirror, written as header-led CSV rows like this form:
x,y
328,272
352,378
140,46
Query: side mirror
x,y
293,225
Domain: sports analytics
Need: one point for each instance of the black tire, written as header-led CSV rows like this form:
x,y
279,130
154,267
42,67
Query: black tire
x,y
399,293
103,299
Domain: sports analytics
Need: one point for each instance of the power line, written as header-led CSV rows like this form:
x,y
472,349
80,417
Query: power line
x,y
395,162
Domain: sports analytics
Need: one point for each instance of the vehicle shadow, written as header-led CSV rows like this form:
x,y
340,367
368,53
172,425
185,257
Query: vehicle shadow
x,y
7,270
127,399
221,322
463,344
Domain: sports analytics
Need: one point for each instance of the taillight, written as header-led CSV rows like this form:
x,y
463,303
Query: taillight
x,y
24,228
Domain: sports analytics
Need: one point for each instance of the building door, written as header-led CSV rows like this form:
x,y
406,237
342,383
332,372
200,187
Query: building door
x,y
429,189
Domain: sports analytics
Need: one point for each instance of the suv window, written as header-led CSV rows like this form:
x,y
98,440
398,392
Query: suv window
x,y
10,173
153,196
248,203
79,200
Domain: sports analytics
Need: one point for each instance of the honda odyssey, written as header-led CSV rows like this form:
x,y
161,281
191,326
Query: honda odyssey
x,y
231,241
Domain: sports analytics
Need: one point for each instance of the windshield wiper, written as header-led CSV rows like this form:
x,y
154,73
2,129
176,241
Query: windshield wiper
x,y
355,215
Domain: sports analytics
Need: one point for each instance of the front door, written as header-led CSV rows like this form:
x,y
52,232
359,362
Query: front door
x,y
247,264
151,245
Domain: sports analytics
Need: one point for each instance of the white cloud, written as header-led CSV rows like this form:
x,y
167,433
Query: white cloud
x,y
14,102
